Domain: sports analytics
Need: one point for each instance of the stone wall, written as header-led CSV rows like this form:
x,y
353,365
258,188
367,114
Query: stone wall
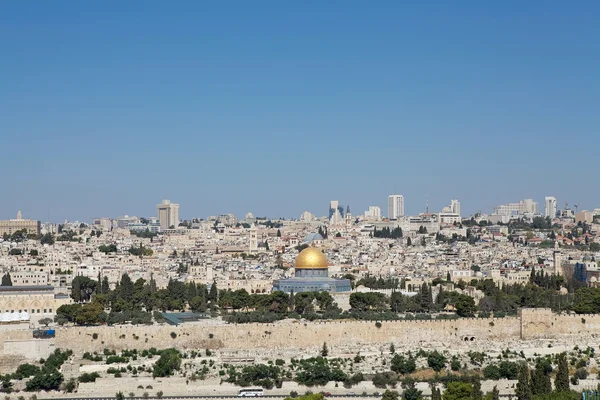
x,y
285,337
287,334
543,324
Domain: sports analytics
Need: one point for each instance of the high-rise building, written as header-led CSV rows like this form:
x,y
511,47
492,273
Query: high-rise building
x,y
373,212
333,206
168,214
455,206
395,206
551,208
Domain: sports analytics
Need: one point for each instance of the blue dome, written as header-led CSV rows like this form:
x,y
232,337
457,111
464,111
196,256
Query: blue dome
x,y
312,236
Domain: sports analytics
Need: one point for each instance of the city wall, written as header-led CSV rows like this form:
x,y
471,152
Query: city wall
x,y
292,337
286,335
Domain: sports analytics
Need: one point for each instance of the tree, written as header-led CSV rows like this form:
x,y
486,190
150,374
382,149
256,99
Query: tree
x,y
324,350
523,389
436,394
410,391
169,362
119,396
561,382
403,365
540,380
47,238
278,233
105,286
212,294
477,393
408,242
389,395
44,381
458,391
495,393
436,361
6,281
45,321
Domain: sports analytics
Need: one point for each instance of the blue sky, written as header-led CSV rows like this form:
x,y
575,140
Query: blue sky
x,y
278,107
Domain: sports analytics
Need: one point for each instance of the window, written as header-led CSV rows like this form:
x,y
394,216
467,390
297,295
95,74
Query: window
x,y
50,310
38,311
44,311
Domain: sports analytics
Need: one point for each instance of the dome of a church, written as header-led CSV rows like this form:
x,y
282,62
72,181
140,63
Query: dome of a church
x,y
311,258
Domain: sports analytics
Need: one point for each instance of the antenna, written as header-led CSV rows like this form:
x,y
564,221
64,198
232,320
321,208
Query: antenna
x,y
576,207
427,204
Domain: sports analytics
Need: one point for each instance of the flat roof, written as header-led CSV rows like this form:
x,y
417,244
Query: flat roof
x,y
30,288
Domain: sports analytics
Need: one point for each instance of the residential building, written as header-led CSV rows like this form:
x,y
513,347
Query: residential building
x,y
584,216
551,209
527,206
373,212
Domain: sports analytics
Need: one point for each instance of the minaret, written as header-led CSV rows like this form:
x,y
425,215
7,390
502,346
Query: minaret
x,y
19,215
557,258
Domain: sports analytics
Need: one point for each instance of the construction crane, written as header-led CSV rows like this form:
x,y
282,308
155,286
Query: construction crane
x,y
576,207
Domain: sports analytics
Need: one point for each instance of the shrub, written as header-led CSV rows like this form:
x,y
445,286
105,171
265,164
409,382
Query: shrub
x,y
88,377
173,335
293,394
580,373
116,359
94,336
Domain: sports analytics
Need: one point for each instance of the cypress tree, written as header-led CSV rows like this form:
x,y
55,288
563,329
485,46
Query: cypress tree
x,y
562,374
523,389
105,286
495,393
324,350
212,295
292,306
540,382
477,393
6,281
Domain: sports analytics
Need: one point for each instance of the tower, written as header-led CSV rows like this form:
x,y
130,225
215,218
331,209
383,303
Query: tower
x,y
557,259
348,217
168,214
253,239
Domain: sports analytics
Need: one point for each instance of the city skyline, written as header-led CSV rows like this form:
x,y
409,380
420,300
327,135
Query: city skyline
x,y
108,107
189,214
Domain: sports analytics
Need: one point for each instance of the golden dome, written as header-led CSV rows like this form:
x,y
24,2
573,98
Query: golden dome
x,y
310,258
